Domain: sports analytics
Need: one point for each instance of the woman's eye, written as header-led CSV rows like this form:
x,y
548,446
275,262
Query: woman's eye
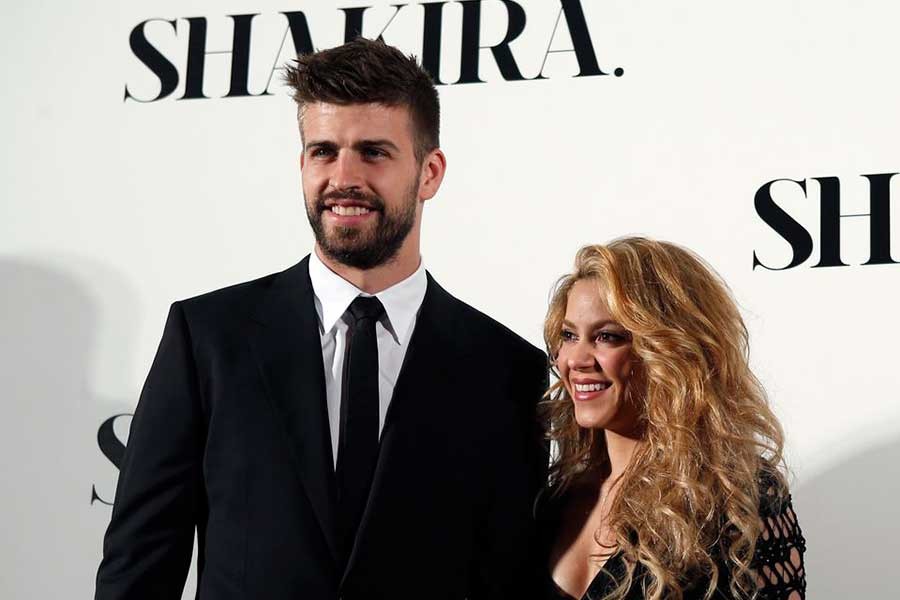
x,y
609,336
567,336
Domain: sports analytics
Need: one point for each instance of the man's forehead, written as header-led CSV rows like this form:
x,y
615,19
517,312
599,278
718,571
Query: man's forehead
x,y
355,121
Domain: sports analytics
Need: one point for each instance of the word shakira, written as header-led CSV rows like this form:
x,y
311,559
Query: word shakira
x,y
146,43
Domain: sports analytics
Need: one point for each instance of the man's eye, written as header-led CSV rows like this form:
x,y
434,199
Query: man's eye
x,y
319,152
373,152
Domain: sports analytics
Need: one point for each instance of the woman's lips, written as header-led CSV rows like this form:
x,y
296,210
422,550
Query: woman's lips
x,y
589,390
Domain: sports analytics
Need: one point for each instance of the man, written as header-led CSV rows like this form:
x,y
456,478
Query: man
x,y
345,428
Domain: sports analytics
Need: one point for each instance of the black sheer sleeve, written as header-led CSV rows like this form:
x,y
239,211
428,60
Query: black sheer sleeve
x,y
778,559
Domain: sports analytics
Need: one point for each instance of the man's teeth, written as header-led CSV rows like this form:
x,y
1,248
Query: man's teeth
x,y
349,211
591,387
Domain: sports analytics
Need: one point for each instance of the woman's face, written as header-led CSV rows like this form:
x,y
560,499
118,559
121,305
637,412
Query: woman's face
x,y
595,362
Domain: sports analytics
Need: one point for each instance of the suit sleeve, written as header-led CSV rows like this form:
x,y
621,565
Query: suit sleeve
x,y
508,557
159,495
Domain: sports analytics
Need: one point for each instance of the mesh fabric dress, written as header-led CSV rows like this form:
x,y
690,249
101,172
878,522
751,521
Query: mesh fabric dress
x,y
778,560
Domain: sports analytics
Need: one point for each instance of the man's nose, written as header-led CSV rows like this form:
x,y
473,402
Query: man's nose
x,y
346,172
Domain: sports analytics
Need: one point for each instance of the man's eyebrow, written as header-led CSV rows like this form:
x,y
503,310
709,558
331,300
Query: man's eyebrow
x,y
369,143
320,144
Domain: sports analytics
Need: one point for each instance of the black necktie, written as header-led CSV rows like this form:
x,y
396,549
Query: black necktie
x,y
358,449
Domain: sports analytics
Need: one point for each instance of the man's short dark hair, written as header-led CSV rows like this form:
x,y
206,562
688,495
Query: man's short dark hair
x,y
369,71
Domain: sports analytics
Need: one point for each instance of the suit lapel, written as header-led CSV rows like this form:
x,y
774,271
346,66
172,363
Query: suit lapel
x,y
287,345
433,346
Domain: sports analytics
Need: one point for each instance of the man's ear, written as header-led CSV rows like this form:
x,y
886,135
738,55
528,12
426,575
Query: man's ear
x,y
434,165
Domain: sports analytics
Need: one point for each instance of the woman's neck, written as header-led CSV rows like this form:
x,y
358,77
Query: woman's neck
x,y
620,448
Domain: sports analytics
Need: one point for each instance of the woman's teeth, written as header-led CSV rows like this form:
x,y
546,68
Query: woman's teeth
x,y
591,387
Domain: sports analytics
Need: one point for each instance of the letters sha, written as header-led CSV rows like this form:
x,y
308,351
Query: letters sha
x,y
830,220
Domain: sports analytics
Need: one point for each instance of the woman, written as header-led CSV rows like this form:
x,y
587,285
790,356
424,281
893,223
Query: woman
x,y
667,480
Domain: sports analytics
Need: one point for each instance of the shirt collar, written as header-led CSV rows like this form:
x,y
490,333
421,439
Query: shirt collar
x,y
333,295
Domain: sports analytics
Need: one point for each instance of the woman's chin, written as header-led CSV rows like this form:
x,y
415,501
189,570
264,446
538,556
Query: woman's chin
x,y
589,417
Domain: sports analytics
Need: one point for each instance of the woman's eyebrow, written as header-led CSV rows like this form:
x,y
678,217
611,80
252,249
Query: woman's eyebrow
x,y
596,325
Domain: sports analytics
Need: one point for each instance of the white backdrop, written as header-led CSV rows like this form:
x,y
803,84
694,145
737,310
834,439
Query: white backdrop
x,y
112,209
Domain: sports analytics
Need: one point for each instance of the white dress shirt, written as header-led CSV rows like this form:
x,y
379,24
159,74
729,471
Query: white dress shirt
x,y
333,296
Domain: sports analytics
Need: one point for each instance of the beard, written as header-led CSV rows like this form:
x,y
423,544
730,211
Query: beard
x,y
364,247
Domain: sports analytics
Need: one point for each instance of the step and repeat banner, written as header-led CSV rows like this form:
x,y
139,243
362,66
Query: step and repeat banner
x,y
151,153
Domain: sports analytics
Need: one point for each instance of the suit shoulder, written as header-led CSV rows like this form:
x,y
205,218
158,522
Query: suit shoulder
x,y
482,326
235,303
233,296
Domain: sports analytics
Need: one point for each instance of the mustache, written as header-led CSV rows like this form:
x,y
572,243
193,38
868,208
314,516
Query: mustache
x,y
370,201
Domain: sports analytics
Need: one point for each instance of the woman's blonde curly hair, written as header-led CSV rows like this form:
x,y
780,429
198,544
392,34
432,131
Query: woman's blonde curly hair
x,y
691,493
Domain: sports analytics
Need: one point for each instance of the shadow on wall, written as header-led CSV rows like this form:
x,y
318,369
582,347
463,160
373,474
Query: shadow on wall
x,y
67,333
849,518
49,323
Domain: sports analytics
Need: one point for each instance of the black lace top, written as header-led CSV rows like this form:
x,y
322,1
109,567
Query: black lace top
x,y
778,560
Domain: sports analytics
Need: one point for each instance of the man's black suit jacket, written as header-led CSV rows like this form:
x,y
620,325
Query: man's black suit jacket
x,y
231,437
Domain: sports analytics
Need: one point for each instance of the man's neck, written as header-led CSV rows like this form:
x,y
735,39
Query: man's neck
x,y
378,278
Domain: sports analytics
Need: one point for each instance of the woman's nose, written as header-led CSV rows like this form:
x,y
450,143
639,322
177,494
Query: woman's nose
x,y
581,358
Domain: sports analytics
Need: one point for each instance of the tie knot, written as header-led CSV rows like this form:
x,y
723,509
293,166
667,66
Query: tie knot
x,y
368,307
